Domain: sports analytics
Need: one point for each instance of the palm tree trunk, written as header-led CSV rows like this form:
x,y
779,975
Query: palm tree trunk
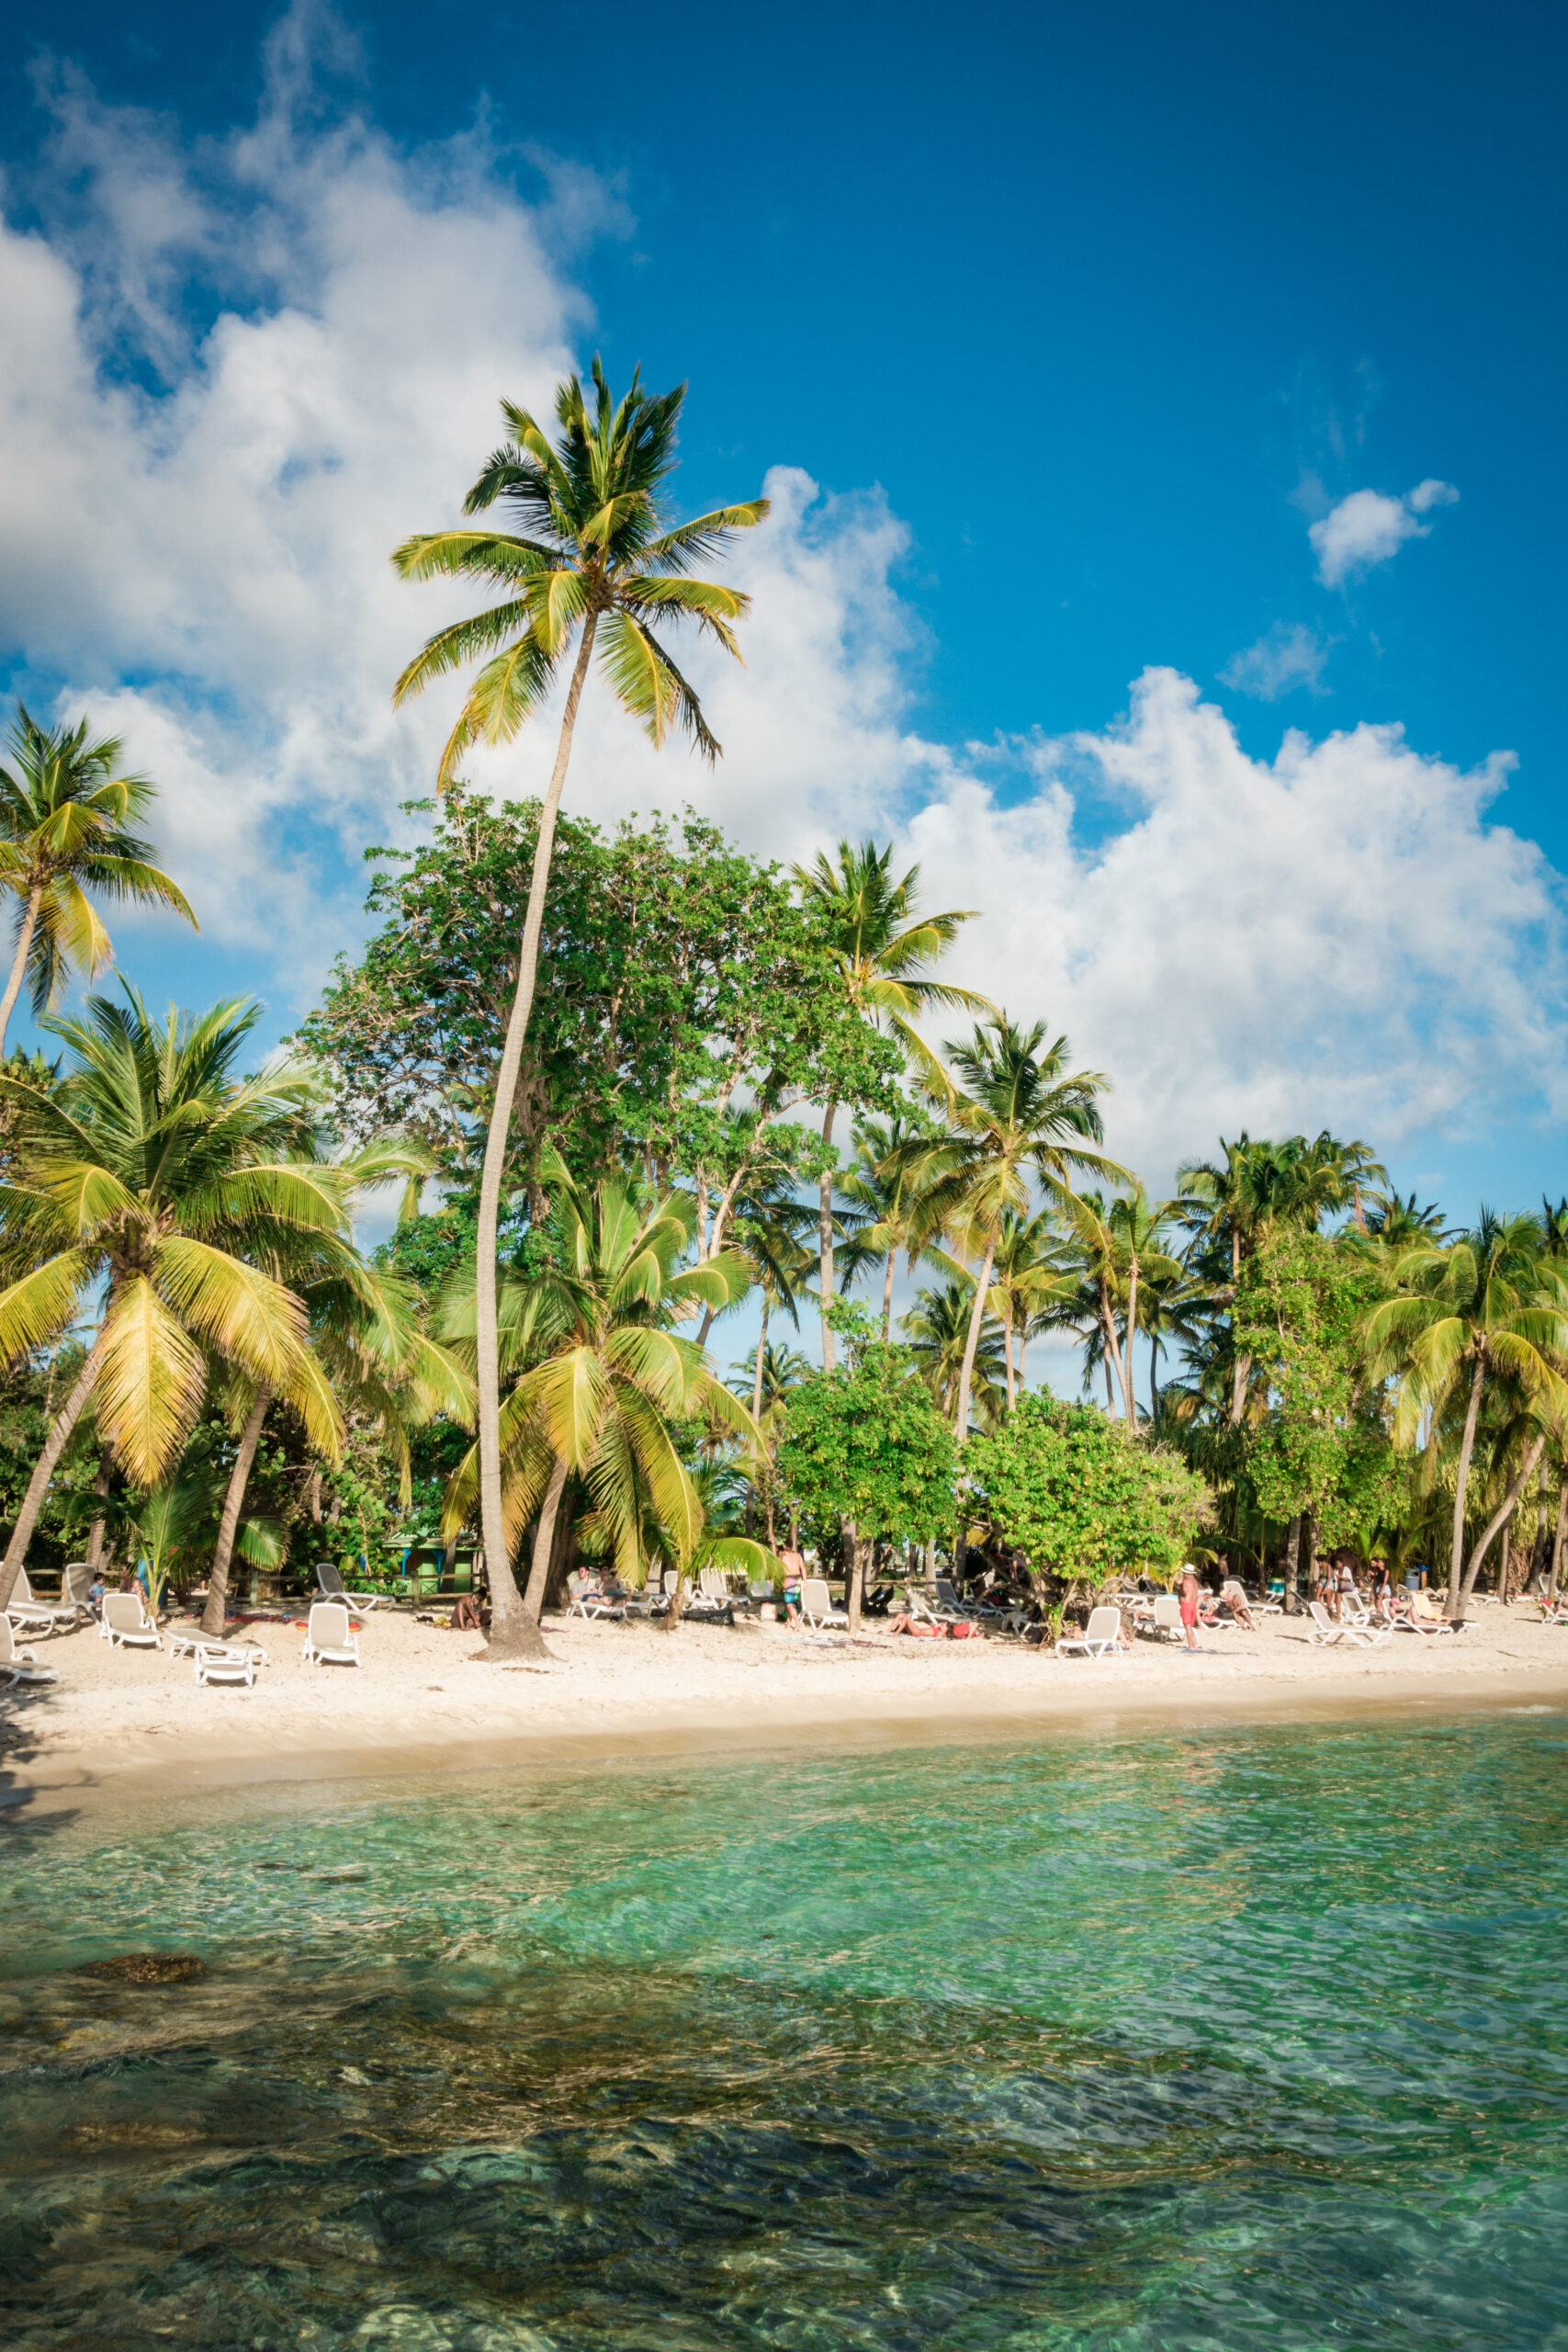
x,y
229,1525
971,1344
19,961
825,1238
761,1351
101,1490
855,1584
1461,1485
37,1485
1131,1397
1154,1382
513,1634
1292,1562
888,1297
1012,1386
1557,1539
503,1638
1112,1354
1499,1519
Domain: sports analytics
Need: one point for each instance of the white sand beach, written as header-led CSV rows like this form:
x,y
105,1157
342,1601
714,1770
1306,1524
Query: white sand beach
x,y
424,1698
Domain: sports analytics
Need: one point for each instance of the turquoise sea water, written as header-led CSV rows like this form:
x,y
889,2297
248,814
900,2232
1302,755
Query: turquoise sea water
x,y
1234,2040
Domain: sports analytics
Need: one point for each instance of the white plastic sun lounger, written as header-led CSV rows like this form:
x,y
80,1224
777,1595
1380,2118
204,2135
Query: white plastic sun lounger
x,y
330,1578
1325,1630
21,1666
126,1624
328,1641
587,1601
817,1604
220,1662
1168,1617
1101,1637
31,1615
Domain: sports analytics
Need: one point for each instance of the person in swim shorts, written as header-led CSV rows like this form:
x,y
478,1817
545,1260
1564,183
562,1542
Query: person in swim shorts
x,y
1189,1589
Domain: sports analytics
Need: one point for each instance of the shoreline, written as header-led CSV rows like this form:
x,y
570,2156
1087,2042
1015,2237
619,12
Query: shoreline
x,y
125,1728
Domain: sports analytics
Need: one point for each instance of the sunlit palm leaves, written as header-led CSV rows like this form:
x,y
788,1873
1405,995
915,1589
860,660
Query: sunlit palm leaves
x,y
66,838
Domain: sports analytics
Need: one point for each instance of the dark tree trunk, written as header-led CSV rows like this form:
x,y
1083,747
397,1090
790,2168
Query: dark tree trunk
x,y
514,1619
229,1525
856,1550
1291,1562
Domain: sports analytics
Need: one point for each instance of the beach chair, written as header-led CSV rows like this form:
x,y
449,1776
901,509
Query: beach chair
x,y
587,1601
223,1662
1101,1637
329,1579
1325,1630
817,1608
21,1666
328,1639
125,1624
1168,1617
29,1615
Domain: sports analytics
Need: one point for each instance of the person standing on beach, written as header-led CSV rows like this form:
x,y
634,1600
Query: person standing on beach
x,y
1189,1590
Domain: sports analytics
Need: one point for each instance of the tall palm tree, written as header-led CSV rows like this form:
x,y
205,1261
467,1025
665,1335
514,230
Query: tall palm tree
x,y
66,821
880,1184
1017,1112
937,1328
595,557
1486,1310
196,1201
884,951
601,1378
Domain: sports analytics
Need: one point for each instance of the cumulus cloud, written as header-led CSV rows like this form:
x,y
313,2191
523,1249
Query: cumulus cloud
x,y
233,376
1336,937
1368,528
1287,659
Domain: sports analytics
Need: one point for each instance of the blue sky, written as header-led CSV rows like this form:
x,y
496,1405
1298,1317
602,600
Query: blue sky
x,y
1072,324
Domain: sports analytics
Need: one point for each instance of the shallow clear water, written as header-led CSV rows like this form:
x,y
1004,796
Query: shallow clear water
x,y
1233,2039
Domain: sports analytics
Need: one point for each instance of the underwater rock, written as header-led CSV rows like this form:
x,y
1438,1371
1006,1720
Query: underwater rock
x,y
146,1968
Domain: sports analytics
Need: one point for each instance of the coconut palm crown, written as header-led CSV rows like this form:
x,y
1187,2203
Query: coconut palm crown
x,y
66,830
193,1200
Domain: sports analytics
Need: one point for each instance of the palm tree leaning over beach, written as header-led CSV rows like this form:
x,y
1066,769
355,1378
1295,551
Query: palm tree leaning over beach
x,y
197,1201
884,951
66,839
595,557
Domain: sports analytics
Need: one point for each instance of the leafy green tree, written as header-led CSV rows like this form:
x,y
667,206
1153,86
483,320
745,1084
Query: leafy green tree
x,y
1322,1445
595,559
66,839
865,1446
1080,1495
884,951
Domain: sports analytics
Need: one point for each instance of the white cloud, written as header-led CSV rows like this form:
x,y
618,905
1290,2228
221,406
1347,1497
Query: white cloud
x,y
1288,658
1336,938
1368,528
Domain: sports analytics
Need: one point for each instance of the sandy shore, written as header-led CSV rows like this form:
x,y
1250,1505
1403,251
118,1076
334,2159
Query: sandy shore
x,y
424,1700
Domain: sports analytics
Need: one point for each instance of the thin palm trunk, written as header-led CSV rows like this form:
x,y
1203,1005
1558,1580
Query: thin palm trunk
x,y
1112,1353
37,1485
229,1525
825,1238
1013,1385
1292,1562
855,1581
1557,1539
1132,1396
100,1492
513,1634
1461,1485
888,1297
757,1413
531,1605
19,961
1498,1520
971,1344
